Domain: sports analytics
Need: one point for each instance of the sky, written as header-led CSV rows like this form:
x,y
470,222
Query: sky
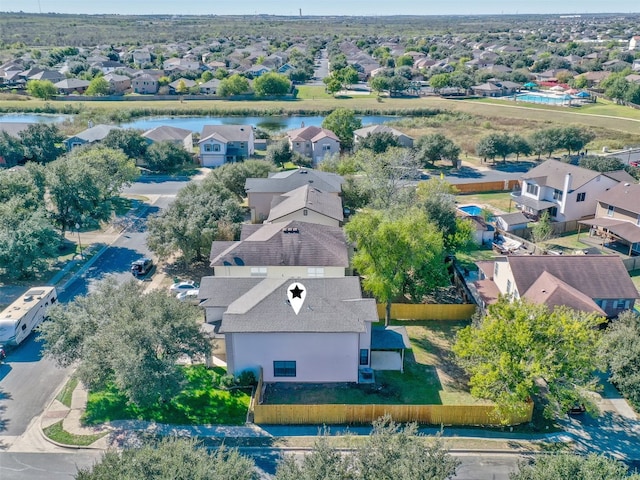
x,y
323,7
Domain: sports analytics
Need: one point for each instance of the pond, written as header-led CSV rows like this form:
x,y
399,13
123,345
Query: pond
x,y
196,123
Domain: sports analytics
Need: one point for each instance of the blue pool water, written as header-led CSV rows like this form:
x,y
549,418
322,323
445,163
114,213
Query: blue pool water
x,y
471,210
533,98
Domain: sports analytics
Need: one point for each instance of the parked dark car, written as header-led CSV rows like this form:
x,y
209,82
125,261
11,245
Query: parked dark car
x,y
141,267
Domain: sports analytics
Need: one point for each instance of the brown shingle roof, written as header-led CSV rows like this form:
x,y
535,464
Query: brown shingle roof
x,y
553,292
597,276
623,195
310,133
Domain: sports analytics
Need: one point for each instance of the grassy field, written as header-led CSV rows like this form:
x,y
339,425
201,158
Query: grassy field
x,y
430,376
199,403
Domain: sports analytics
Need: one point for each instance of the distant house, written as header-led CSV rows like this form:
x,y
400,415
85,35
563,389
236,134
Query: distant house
x,y
210,87
283,249
118,83
145,84
589,283
261,191
177,136
90,135
72,85
618,216
567,191
595,78
257,70
176,85
307,204
362,133
634,43
220,144
313,142
181,64
141,56
328,340
52,75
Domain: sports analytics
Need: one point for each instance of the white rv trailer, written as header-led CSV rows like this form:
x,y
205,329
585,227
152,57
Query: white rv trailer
x,y
19,319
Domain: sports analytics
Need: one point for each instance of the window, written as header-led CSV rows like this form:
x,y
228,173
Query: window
x,y
207,147
532,189
508,287
315,272
326,148
242,145
603,305
557,195
216,147
610,210
305,212
553,212
364,356
581,196
258,271
638,220
495,270
284,368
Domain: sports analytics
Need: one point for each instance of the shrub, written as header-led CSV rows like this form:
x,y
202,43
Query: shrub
x,y
247,379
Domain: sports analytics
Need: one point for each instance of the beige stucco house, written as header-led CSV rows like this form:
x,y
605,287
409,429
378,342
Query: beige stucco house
x,y
315,143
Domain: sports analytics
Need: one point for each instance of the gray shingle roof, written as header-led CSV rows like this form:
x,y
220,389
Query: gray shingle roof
x,y
232,133
363,132
331,305
307,197
310,133
623,195
164,132
552,174
286,244
96,133
598,276
223,291
282,182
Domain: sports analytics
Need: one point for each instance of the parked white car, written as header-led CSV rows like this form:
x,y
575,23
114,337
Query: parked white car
x,y
189,296
183,286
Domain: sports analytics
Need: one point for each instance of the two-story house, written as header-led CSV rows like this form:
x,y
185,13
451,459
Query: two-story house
x,y
590,283
118,83
618,216
177,136
220,144
567,191
313,142
261,191
145,84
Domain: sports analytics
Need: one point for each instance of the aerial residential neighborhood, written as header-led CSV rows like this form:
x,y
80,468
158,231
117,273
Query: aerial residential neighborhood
x,y
243,229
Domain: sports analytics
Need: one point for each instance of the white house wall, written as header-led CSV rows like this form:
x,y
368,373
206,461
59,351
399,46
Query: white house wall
x,y
593,189
504,276
213,314
319,357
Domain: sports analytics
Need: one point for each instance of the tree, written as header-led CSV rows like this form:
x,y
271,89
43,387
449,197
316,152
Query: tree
x,y
379,142
439,81
271,83
397,85
11,150
116,335
520,351
182,88
233,85
621,351
43,89
279,153
333,84
98,86
434,147
519,145
129,140
206,76
343,123
545,141
542,230
390,452
42,142
379,84
166,156
171,457
574,138
601,164
82,185
573,466
403,255
489,146
199,215
233,176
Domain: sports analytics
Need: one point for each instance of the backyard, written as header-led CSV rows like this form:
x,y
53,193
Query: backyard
x,y
430,376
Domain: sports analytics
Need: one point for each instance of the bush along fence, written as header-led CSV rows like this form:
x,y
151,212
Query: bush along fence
x,y
341,414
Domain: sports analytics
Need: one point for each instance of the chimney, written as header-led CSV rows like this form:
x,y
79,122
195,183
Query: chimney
x,y
565,192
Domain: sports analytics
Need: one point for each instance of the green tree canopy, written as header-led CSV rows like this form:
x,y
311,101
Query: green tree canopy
x,y
172,457
601,164
574,138
166,156
200,214
343,123
574,467
279,153
129,140
545,141
118,335
520,351
379,83
43,89
42,142
98,86
435,147
233,176
234,85
397,257
621,352
271,83
11,150
379,142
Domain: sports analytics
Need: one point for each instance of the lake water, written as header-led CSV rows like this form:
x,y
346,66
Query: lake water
x,y
271,123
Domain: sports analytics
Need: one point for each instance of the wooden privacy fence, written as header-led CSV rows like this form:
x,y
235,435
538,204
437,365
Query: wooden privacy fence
x,y
481,187
428,311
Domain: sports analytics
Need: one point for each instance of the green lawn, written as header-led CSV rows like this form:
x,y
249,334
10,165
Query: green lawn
x,y
65,394
430,376
468,259
56,433
199,403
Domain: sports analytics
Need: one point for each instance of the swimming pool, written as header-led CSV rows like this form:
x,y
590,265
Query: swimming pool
x,y
473,210
546,99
